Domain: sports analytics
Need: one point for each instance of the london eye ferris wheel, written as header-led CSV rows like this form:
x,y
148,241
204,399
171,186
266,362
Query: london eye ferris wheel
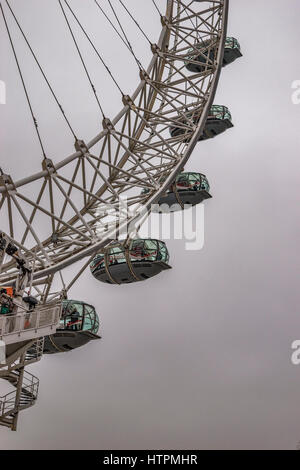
x,y
84,208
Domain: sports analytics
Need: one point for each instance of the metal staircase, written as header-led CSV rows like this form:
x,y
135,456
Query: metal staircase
x,y
24,323
26,385
23,397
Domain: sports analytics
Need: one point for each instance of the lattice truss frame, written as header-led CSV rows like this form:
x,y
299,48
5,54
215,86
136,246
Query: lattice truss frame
x,y
74,207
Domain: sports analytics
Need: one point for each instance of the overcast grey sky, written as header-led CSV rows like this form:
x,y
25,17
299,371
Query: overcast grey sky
x,y
198,357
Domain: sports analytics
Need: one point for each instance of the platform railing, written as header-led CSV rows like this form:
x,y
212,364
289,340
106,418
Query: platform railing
x,y
24,326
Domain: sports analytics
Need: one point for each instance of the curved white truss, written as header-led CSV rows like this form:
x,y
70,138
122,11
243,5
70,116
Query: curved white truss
x,y
75,206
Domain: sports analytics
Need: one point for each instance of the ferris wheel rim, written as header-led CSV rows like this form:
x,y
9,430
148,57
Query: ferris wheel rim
x,y
91,249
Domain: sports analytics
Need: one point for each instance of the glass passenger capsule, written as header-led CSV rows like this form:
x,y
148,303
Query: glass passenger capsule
x,y
78,325
218,121
203,54
190,188
144,258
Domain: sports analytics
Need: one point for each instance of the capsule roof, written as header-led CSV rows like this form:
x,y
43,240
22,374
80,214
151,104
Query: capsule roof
x,y
141,248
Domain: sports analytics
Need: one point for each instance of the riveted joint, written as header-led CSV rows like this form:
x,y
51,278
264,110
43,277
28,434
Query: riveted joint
x,y
48,166
164,20
144,76
80,146
108,125
7,182
55,238
155,49
127,101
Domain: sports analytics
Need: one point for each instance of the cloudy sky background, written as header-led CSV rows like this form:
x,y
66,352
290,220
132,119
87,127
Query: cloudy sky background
x,y
198,357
